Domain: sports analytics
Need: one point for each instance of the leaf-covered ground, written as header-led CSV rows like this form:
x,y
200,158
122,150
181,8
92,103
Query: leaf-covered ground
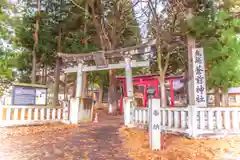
x,y
89,141
180,148
105,141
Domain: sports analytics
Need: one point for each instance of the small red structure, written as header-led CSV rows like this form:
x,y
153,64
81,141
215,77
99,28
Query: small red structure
x,y
146,81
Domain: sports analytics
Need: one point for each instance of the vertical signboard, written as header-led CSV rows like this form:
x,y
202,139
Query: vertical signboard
x,y
41,96
200,97
154,124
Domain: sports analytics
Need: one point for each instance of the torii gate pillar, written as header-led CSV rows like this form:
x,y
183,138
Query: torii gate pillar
x,y
76,102
128,72
128,105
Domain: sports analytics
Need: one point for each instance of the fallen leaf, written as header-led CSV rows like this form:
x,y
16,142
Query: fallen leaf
x,y
176,147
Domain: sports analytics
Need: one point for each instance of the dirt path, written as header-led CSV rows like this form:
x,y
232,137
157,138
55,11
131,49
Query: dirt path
x,y
88,141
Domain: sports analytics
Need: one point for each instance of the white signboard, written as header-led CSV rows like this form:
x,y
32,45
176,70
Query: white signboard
x,y
41,96
177,84
29,95
154,124
200,97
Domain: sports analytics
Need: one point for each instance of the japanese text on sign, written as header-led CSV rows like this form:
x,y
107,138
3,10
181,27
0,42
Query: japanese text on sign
x,y
155,113
156,127
199,77
154,123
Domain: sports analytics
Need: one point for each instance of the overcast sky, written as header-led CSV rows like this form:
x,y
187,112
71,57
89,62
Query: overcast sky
x,y
141,18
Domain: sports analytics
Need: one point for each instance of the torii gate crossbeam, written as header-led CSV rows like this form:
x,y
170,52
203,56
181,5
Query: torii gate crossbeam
x,y
126,54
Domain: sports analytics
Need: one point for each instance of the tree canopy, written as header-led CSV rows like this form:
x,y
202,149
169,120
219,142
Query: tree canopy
x,y
218,35
38,32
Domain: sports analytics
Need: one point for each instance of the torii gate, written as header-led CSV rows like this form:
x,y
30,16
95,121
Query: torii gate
x,y
76,63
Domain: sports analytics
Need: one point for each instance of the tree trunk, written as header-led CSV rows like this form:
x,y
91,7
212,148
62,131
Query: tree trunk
x,y
84,86
57,70
42,76
74,88
112,92
225,102
100,96
84,74
217,98
35,46
45,74
56,84
34,61
163,92
161,75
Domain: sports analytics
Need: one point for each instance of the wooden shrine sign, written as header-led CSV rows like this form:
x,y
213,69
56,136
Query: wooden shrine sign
x,y
200,96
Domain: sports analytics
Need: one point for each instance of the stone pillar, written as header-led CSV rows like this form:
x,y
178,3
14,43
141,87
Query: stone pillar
x,y
154,124
74,109
192,121
65,87
75,104
128,108
127,102
66,112
128,72
79,81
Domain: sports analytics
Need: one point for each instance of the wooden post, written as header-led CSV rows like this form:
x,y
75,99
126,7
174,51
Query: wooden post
x,y
171,92
191,44
145,96
200,97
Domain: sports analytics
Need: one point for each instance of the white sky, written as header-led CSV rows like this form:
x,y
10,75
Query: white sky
x,y
141,17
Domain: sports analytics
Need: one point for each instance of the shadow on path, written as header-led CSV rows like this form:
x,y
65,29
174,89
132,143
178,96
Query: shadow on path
x,y
90,141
